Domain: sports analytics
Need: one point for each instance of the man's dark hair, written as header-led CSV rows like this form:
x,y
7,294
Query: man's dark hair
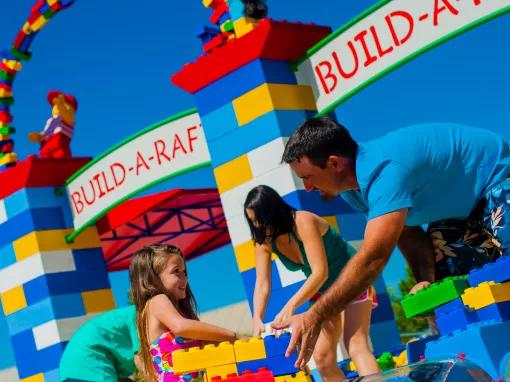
x,y
318,139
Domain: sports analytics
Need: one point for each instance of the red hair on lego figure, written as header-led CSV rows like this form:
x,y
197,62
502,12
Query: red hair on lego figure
x,y
56,136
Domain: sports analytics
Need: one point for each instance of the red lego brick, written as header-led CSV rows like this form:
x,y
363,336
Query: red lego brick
x,y
275,40
19,39
6,69
218,12
5,117
33,16
216,42
262,375
37,172
56,7
6,87
37,5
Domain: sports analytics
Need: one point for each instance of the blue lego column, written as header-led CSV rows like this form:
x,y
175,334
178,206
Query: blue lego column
x,y
48,288
249,102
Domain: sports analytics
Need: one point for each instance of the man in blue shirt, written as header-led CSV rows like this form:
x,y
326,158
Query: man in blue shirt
x,y
424,174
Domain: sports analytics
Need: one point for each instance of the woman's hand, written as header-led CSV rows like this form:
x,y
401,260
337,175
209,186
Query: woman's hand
x,y
258,327
419,286
283,319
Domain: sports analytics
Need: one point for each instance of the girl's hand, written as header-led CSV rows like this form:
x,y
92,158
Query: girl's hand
x,y
283,319
258,327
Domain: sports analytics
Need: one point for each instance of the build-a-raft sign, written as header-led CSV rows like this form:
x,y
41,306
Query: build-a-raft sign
x,y
167,149
383,38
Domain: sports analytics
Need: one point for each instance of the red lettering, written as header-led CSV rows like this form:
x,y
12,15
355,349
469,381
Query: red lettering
x,y
89,202
360,37
178,145
380,51
160,151
140,161
77,203
190,138
477,2
343,73
122,173
101,192
328,76
438,10
410,26
108,188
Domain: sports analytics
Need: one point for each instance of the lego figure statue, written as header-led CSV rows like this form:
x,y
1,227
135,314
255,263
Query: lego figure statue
x,y
58,132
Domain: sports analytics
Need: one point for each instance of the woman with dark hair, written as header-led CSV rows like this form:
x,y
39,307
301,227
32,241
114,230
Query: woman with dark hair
x,y
304,241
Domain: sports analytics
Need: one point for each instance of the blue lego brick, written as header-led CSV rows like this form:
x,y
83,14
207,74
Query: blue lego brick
x,y
27,41
23,343
5,82
219,122
498,271
312,201
454,316
89,259
52,376
43,8
64,283
35,197
279,298
241,81
206,33
498,312
249,276
272,125
344,365
41,361
280,365
37,219
383,312
385,335
416,348
236,9
54,308
7,255
223,18
484,343
276,346
352,225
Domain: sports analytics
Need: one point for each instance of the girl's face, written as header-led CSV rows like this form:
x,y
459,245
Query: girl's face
x,y
173,277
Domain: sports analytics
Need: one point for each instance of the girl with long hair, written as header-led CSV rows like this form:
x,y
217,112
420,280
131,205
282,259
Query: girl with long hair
x,y
166,312
304,241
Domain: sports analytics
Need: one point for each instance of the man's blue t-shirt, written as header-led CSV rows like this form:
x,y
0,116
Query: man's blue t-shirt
x,y
437,171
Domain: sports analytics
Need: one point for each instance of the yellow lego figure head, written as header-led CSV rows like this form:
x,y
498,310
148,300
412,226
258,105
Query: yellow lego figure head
x,y
64,105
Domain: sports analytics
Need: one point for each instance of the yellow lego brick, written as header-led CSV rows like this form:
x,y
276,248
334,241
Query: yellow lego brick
x,y
244,25
485,294
13,300
245,256
5,93
4,137
195,359
207,3
39,23
332,221
401,360
8,158
34,378
12,64
268,97
27,28
220,371
96,301
233,173
53,240
298,377
249,350
51,2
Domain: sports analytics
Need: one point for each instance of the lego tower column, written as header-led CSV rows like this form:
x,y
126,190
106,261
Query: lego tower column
x,y
48,288
249,102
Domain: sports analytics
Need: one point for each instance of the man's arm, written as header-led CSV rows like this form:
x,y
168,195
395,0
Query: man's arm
x,y
417,248
381,237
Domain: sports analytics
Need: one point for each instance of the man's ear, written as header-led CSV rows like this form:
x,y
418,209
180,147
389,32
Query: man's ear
x,y
335,162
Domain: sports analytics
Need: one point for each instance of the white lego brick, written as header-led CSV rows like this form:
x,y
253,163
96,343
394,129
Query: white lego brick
x,y
34,266
267,157
238,230
3,213
288,277
56,331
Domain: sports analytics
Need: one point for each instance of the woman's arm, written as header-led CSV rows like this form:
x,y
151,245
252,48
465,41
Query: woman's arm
x,y
166,313
308,229
262,286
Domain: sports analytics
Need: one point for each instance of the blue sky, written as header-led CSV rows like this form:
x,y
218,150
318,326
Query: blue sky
x,y
117,56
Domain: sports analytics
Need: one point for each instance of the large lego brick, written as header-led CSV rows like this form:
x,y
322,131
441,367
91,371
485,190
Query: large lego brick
x,y
298,377
7,256
232,174
312,201
54,240
497,312
219,122
34,266
454,316
54,332
89,259
41,361
38,172
275,40
275,124
195,359
13,300
35,197
268,97
238,230
485,294
39,377
416,348
249,350
240,81
23,343
38,219
383,312
484,343
96,301
279,365
64,283
498,271
221,371
384,335
51,308
262,375
435,295
276,346
249,276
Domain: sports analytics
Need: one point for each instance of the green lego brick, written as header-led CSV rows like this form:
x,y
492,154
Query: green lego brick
x,y
49,14
6,76
435,295
7,130
6,101
22,56
385,361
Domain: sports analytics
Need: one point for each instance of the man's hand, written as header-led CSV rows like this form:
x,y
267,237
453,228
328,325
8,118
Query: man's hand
x,y
305,332
419,286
